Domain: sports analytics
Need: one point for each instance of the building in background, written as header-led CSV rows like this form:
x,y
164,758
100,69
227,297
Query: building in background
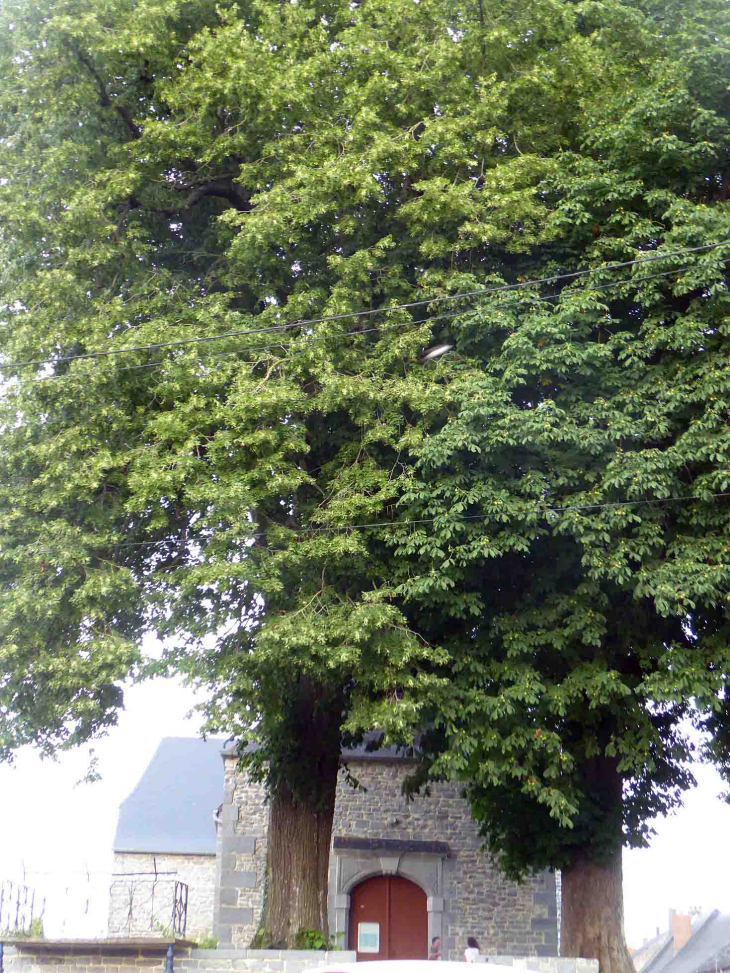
x,y
400,872
166,834
691,944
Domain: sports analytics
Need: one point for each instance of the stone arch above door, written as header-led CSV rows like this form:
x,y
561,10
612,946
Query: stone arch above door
x,y
354,860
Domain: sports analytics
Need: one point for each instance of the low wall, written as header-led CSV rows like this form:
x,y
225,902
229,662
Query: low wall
x,y
85,957
121,956
260,960
545,964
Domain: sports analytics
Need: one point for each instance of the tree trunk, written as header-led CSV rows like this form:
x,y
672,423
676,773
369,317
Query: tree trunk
x,y
298,861
592,913
302,789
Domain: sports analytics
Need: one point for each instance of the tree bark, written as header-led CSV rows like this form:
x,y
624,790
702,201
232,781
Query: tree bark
x,y
593,913
302,790
298,861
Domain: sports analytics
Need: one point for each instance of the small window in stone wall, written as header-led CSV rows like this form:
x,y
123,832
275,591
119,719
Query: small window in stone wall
x,y
368,937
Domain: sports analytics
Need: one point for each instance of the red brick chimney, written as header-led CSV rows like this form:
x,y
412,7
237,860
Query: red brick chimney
x,y
680,927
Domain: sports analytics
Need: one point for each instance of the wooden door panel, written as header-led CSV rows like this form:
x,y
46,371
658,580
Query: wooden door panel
x,y
408,926
369,903
398,906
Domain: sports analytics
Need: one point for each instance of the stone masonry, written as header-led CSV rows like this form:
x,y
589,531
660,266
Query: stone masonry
x,y
141,904
468,896
130,956
243,825
432,841
98,957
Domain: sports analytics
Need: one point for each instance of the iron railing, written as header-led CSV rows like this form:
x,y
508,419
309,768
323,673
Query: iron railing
x,y
150,904
21,910
147,904
180,909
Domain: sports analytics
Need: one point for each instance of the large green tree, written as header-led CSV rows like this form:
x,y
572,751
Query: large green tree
x,y
575,565
212,180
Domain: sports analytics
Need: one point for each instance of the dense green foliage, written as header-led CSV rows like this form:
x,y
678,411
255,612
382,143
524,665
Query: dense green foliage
x,y
177,171
594,630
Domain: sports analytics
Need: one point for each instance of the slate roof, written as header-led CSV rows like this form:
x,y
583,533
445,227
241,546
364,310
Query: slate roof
x,y
665,956
171,808
367,750
710,942
644,955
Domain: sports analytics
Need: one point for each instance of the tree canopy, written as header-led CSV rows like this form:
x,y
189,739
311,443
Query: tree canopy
x,y
228,234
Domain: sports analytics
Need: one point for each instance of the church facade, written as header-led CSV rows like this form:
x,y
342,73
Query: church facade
x,y
400,872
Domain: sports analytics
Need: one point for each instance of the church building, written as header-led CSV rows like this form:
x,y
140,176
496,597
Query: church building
x,y
400,872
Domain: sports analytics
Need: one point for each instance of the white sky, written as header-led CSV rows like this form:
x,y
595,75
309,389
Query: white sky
x,y
56,831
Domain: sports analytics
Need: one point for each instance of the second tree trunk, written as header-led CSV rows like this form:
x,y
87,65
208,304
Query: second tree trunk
x,y
592,914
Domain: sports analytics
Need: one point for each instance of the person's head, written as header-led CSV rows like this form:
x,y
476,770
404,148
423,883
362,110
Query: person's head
x,y
435,944
472,943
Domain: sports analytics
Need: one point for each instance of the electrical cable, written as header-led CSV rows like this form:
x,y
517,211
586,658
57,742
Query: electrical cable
x,y
240,350
368,312
352,334
377,526
555,509
543,508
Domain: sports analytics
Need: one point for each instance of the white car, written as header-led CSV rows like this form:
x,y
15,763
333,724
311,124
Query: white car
x,y
408,966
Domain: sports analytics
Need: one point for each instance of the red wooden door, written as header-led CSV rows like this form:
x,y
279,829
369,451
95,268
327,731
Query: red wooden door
x,y
388,919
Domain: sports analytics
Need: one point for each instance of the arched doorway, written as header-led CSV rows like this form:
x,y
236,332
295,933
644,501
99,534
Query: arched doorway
x,y
388,919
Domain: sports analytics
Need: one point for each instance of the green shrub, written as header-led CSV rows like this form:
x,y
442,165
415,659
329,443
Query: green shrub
x,y
310,939
34,932
262,940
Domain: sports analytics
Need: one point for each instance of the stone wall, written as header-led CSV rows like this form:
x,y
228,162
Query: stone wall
x,y
260,960
89,957
141,905
105,958
101,957
466,894
243,827
546,964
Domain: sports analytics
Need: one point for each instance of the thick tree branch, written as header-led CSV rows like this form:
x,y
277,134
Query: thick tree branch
x,y
104,100
221,186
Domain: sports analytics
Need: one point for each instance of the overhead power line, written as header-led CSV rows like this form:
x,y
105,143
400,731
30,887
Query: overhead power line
x,y
332,335
542,508
241,349
366,312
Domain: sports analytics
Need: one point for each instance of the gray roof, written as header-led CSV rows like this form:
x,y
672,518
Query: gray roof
x,y
662,958
710,941
170,811
369,749
650,950
171,808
